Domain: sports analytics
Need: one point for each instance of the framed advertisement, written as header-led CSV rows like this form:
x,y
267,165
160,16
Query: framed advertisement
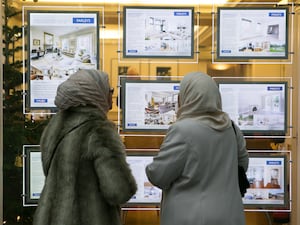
x,y
149,105
267,175
33,175
66,44
158,32
34,179
252,33
258,108
146,193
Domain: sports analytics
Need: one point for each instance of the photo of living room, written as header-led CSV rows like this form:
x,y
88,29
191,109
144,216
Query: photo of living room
x,y
61,52
57,48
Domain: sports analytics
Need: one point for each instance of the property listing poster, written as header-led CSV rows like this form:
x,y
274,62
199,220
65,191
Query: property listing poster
x,y
37,177
146,192
266,176
60,43
255,106
158,32
150,105
252,33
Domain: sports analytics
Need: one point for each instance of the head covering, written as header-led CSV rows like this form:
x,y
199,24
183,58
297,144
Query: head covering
x,y
85,87
200,99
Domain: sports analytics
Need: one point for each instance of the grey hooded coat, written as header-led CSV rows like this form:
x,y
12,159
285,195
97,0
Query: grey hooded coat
x,y
197,165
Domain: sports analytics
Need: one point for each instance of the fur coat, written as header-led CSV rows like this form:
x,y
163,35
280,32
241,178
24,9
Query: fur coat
x,y
87,177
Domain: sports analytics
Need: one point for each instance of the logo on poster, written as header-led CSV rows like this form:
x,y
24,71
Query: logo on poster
x,y
83,20
181,13
40,100
276,14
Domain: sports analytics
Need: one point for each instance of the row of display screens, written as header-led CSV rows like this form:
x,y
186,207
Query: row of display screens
x,y
166,32
56,48
267,175
258,108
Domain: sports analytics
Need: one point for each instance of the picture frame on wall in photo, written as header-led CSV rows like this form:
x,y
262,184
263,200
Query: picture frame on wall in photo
x,y
57,49
252,33
36,42
158,32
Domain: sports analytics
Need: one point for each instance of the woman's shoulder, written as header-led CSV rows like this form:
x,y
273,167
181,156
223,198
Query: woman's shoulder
x,y
188,123
185,126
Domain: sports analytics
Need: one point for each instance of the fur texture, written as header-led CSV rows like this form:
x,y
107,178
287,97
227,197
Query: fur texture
x,y
87,177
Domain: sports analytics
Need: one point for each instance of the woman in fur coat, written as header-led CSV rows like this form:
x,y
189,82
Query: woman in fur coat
x,y
83,157
197,165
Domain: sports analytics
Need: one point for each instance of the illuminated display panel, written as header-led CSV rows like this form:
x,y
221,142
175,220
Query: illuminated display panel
x,y
59,44
258,108
267,176
252,33
158,32
149,105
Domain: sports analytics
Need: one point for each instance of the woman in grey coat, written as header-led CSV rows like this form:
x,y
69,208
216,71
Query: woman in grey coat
x,y
197,165
83,157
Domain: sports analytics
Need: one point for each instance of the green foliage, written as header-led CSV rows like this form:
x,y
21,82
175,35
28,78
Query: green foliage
x,y
18,130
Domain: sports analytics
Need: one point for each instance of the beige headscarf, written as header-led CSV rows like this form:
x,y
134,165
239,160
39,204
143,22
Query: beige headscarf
x,y
85,87
200,99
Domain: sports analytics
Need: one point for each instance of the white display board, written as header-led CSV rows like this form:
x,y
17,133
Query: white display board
x,y
34,179
258,108
146,193
33,175
149,105
161,32
267,175
59,44
252,33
